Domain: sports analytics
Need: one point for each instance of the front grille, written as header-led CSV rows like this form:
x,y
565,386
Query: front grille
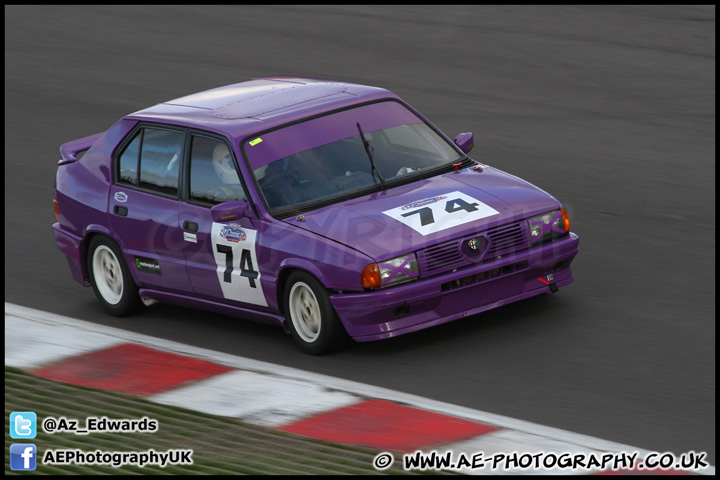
x,y
449,255
441,257
506,239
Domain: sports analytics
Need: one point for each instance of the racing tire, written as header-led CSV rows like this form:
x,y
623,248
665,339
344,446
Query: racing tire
x,y
311,318
110,278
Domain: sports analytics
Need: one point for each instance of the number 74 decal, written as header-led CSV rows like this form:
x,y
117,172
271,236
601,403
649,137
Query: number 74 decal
x,y
234,250
431,215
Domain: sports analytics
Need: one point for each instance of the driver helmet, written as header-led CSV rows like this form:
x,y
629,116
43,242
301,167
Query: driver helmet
x,y
223,164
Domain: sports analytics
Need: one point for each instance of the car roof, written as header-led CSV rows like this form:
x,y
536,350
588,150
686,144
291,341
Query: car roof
x,y
243,108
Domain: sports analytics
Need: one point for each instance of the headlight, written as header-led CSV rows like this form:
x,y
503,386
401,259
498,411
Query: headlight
x,y
549,226
390,272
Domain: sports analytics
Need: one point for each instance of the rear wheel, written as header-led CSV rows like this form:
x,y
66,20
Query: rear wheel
x,y
110,278
313,322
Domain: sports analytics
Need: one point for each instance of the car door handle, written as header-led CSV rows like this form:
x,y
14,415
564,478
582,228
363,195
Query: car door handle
x,y
120,210
190,226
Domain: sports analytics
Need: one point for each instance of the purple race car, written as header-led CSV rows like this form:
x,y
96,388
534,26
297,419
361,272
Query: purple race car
x,y
332,209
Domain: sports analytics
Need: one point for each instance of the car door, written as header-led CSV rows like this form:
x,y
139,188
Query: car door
x,y
143,207
222,259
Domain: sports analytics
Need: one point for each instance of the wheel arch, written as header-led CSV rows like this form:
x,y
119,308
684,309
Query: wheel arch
x,y
314,325
92,231
293,264
112,282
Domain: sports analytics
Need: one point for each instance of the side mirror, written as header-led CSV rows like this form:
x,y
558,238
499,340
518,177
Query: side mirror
x,y
465,141
228,211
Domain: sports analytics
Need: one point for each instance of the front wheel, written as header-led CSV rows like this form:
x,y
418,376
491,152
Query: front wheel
x,y
110,278
313,322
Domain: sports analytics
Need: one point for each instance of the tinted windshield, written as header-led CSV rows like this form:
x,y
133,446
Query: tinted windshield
x,y
325,157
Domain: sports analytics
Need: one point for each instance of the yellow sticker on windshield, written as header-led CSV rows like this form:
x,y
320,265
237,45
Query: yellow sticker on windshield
x,y
255,142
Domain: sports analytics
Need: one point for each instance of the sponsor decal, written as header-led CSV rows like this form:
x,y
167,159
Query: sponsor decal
x,y
121,197
232,233
148,265
190,237
423,202
255,142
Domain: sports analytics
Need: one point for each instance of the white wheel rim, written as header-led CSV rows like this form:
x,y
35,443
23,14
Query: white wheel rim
x,y
305,312
107,274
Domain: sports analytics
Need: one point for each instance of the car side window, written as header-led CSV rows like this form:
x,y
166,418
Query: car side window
x,y
129,161
152,160
160,160
213,174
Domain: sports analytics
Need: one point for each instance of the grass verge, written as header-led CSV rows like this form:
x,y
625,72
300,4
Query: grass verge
x,y
220,445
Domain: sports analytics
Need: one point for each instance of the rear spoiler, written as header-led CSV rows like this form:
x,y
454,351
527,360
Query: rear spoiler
x,y
70,151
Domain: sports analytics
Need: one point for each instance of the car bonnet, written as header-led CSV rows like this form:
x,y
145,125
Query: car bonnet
x,y
413,216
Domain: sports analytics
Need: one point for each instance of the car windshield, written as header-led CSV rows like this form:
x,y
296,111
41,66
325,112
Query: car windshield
x,y
325,157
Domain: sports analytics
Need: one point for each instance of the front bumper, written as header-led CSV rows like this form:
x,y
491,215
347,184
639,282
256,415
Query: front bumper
x,y
461,293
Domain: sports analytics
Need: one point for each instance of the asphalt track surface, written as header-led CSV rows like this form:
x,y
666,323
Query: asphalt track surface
x,y
611,109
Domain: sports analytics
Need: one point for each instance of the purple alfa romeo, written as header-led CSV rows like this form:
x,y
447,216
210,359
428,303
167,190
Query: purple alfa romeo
x,y
332,209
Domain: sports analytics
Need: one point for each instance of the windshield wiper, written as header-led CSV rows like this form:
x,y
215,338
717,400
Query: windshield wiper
x,y
368,149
